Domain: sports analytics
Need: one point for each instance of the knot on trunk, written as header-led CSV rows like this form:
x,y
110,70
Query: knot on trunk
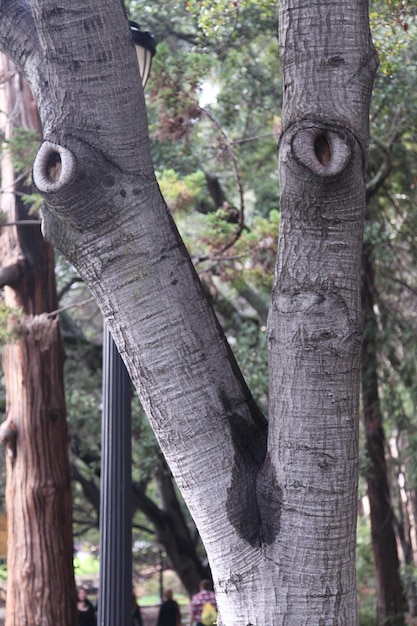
x,y
54,167
324,151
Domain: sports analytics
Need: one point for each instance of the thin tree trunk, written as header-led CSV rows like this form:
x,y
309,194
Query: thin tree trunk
x,y
40,582
388,584
328,64
174,534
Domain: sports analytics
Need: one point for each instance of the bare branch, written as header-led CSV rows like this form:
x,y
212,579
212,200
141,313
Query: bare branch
x,y
74,305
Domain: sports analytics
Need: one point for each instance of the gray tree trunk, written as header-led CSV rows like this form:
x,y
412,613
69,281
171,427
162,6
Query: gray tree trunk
x,y
275,505
315,324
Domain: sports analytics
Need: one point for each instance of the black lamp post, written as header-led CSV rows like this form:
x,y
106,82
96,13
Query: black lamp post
x,y
115,586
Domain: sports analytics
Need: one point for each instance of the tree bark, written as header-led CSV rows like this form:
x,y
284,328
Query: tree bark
x,y
40,582
389,593
275,505
328,63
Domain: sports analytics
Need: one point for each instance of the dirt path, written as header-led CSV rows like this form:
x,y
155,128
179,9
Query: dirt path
x,y
149,615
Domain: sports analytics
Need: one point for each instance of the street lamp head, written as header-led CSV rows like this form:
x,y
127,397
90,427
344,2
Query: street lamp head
x,y
145,49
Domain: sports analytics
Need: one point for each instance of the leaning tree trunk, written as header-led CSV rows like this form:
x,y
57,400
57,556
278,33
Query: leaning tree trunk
x,y
389,593
275,505
40,580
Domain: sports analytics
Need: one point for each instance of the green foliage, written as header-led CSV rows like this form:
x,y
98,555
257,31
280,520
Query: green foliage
x,y
260,242
222,16
23,147
250,349
86,565
393,25
174,92
365,574
33,201
182,193
242,72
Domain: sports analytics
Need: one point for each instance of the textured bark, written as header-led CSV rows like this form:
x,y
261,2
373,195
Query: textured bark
x,y
315,322
40,582
389,593
276,510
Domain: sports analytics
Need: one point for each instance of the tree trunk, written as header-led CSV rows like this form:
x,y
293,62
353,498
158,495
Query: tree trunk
x,y
389,605
275,505
40,582
328,63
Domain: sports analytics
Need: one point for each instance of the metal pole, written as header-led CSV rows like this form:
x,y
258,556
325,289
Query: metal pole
x,y
115,587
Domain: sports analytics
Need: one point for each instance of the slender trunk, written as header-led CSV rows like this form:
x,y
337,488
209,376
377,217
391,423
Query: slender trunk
x,y
328,63
389,594
40,583
403,525
412,512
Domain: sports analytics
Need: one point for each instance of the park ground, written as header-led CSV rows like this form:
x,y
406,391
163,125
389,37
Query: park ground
x,y
145,588
149,614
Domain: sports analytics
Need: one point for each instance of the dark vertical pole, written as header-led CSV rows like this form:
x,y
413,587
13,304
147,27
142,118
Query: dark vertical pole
x,y
115,589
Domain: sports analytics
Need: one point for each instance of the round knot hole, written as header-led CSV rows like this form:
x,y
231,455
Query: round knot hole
x,y
324,151
54,167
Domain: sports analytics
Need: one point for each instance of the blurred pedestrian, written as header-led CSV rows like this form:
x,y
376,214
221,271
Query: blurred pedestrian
x,y
86,613
169,612
199,600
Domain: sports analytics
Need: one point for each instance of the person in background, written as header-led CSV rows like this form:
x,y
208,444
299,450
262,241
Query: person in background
x,y
136,614
206,594
169,612
86,614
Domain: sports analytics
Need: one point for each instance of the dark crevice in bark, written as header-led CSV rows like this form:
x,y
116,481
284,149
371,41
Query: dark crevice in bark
x,y
322,149
254,499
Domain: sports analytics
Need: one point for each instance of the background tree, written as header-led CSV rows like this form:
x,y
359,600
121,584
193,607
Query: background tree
x,y
385,272
40,581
